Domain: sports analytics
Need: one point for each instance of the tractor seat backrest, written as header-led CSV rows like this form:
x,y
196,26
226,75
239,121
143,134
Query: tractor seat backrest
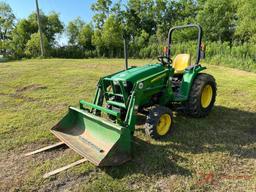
x,y
181,62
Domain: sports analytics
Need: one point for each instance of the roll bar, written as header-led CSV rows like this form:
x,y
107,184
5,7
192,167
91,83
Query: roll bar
x,y
199,39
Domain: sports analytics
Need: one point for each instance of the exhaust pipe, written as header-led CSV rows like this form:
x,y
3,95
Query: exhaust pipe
x,y
125,54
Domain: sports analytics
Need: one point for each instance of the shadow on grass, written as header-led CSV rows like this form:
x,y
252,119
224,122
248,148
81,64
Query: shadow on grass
x,y
149,159
224,130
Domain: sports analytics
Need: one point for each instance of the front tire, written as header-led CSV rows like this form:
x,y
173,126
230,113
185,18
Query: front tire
x,y
202,96
159,122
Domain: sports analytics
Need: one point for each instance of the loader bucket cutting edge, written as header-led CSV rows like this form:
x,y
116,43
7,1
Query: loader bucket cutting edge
x,y
102,142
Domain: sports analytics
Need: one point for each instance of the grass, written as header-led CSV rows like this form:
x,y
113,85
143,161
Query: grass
x,y
217,153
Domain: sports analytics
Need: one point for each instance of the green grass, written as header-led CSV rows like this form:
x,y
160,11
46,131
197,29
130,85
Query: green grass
x,y
217,153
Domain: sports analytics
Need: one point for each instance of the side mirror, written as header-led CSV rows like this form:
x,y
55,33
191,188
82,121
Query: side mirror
x,y
202,51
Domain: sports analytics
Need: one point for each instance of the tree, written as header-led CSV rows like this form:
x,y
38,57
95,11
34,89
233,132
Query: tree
x,y
217,19
20,36
102,9
187,11
142,40
6,26
112,33
246,23
142,14
80,37
85,37
51,25
171,13
73,30
98,43
109,40
33,45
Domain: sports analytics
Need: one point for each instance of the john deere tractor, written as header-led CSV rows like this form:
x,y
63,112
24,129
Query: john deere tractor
x,y
153,90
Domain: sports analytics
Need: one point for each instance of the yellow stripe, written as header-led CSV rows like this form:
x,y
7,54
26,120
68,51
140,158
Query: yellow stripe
x,y
157,78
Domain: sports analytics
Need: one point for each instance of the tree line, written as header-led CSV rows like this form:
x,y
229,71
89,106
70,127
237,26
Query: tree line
x,y
145,23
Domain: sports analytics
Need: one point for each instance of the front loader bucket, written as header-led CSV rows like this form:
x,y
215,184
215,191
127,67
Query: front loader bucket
x,y
102,142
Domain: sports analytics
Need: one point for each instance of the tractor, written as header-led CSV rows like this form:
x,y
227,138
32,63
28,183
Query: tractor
x,y
102,131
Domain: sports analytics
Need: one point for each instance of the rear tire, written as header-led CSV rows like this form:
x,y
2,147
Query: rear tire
x,y
202,96
159,122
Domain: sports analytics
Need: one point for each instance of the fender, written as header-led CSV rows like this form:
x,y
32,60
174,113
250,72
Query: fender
x,y
187,81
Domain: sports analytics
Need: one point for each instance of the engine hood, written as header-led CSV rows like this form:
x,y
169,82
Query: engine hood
x,y
133,74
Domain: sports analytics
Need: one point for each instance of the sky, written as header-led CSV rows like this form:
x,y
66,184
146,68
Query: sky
x,y
68,10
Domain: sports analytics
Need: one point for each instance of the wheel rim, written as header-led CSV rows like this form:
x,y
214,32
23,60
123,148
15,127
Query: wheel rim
x,y
206,97
164,124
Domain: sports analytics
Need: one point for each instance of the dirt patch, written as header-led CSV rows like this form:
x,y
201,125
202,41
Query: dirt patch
x,y
69,182
14,169
19,96
31,87
14,166
238,93
166,184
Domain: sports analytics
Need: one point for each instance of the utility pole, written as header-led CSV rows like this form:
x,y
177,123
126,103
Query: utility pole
x,y
40,29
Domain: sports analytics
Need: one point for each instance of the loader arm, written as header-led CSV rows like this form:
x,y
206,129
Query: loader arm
x,y
148,86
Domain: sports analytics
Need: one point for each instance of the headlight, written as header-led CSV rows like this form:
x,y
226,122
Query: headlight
x,y
141,85
125,83
116,82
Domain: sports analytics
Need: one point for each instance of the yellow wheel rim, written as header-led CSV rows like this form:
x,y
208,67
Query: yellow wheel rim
x,y
164,124
206,97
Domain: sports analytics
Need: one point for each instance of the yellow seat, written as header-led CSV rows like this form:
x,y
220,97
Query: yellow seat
x,y
181,62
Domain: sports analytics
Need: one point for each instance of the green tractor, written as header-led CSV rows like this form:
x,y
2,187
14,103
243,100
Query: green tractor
x,y
154,90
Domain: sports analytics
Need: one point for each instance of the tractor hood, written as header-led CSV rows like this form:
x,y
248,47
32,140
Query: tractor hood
x,y
133,74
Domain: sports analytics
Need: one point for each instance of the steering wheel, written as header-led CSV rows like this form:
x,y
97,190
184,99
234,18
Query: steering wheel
x,y
164,60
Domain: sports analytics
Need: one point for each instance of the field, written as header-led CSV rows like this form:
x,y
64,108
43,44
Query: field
x,y
217,153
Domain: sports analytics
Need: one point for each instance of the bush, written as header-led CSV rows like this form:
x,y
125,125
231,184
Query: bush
x,y
237,56
217,53
33,45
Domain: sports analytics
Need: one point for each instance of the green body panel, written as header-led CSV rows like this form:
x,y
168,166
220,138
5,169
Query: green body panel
x,y
153,85
107,143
